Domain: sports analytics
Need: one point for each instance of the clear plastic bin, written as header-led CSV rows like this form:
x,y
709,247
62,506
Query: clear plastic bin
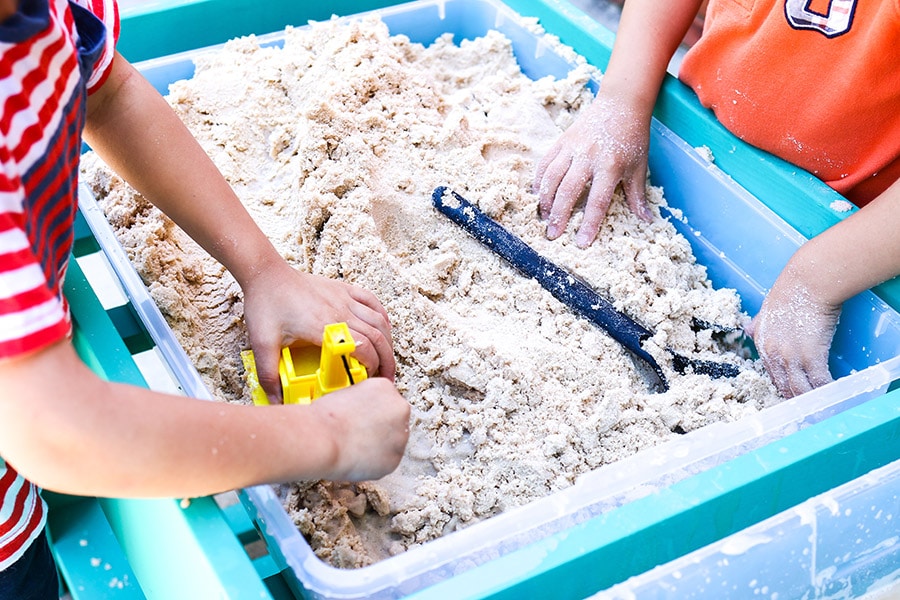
x,y
743,244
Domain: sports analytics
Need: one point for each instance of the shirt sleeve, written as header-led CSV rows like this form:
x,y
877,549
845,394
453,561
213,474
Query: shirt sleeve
x,y
108,12
31,315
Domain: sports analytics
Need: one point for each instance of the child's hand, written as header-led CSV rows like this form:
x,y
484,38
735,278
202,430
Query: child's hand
x,y
793,333
607,145
283,306
370,426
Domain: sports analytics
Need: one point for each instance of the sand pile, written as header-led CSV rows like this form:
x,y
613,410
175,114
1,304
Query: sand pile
x,y
334,143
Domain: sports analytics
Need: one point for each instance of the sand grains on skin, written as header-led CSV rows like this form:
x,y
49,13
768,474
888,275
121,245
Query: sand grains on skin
x,y
335,142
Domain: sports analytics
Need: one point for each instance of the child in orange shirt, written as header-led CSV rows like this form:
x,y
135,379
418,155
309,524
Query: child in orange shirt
x,y
817,89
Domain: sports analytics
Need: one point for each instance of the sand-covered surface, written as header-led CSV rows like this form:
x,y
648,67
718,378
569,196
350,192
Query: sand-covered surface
x,y
334,143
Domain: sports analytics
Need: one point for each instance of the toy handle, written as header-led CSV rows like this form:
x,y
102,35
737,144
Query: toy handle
x,y
564,286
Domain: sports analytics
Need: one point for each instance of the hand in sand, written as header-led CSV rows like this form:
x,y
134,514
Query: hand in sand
x,y
283,306
606,146
371,420
793,333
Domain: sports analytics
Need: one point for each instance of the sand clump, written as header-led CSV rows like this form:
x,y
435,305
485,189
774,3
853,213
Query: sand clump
x,y
334,143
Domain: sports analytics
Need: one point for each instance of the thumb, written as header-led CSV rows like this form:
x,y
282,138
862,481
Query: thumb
x,y
267,357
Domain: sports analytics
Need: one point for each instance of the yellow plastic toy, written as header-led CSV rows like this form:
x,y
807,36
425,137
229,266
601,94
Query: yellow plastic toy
x,y
308,373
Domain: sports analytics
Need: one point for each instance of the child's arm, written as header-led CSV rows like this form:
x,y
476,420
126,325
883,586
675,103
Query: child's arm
x,y
66,430
794,327
607,145
136,132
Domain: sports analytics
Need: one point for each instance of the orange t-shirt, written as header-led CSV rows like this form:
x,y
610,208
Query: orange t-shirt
x,y
816,82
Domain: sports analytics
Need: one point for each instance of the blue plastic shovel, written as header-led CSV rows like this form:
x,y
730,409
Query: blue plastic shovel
x,y
567,288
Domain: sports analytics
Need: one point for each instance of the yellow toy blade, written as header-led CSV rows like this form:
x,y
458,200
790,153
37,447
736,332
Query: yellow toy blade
x,y
257,394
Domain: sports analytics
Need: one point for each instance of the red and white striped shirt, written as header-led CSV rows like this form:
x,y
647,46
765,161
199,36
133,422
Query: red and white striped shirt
x,y
54,52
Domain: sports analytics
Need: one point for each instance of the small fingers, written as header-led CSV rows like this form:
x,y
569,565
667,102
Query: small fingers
x,y
540,171
815,369
598,201
820,375
780,372
374,347
793,377
576,179
798,381
547,188
635,189
369,300
788,378
808,373
375,352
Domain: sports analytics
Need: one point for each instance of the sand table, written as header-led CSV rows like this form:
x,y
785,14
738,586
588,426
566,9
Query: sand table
x,y
335,143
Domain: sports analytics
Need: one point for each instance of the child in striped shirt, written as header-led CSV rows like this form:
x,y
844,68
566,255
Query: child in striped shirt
x,y
65,429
